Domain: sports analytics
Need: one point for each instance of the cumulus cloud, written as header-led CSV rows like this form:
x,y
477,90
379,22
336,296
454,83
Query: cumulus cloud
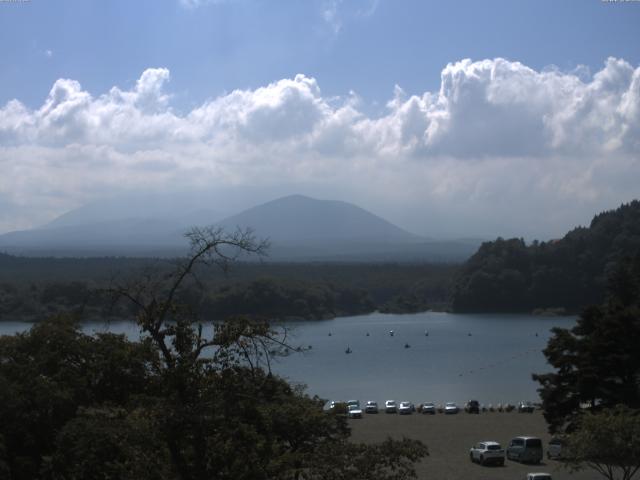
x,y
498,140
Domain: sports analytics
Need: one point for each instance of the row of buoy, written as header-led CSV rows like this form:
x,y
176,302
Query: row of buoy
x,y
348,350
426,333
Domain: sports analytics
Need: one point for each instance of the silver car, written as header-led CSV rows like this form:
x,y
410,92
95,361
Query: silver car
x,y
554,449
405,408
354,411
371,407
451,408
390,406
428,408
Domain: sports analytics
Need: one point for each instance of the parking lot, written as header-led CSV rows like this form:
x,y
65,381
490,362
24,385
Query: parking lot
x,y
449,438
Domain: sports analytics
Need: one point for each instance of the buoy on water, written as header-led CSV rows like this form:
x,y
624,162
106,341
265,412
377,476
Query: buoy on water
x,y
348,350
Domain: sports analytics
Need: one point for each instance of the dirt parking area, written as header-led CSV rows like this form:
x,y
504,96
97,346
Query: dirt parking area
x,y
449,438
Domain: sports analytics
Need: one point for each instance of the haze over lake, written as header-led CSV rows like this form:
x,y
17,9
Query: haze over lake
x,y
493,364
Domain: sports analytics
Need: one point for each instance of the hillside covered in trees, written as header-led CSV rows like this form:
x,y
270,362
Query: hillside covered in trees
x,y
566,274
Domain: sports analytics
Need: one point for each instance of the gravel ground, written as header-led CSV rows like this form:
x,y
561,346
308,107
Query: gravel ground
x,y
449,438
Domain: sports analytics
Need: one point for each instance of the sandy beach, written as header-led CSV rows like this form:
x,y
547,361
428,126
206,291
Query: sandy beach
x,y
449,438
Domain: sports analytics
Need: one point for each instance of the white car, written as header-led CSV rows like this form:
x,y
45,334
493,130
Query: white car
x,y
405,408
486,453
450,408
354,411
428,408
390,406
353,402
371,407
538,476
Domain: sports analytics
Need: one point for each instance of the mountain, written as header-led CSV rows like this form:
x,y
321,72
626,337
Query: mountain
x,y
297,219
300,228
181,209
563,275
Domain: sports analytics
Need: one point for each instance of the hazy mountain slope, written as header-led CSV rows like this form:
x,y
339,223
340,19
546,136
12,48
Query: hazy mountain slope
x,y
297,219
300,229
117,233
179,210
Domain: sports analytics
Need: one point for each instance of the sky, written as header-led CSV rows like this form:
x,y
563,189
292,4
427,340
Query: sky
x,y
450,119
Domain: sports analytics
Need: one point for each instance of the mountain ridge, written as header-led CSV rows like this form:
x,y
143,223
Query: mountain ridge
x,y
300,228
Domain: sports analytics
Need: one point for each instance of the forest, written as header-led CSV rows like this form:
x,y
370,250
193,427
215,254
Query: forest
x,y
561,276
33,287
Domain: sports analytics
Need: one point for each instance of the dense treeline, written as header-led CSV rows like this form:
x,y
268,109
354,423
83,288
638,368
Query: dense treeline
x,y
565,274
33,287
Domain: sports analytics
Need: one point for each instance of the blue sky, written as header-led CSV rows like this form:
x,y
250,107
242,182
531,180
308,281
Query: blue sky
x,y
449,118
366,46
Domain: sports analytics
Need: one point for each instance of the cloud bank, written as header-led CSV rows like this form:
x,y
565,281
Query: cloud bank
x,y
500,148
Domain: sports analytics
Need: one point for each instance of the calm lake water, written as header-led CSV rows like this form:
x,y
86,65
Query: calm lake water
x,y
486,357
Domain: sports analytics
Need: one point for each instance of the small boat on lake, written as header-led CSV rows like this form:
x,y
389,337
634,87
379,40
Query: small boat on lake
x,y
391,333
348,350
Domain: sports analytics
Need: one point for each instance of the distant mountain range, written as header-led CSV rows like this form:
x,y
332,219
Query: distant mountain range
x,y
299,228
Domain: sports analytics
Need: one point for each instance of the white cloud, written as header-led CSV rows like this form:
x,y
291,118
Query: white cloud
x,y
499,146
331,16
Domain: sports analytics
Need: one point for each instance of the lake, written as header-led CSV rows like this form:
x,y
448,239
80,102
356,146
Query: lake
x,y
487,357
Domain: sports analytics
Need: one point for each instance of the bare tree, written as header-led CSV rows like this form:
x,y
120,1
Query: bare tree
x,y
173,325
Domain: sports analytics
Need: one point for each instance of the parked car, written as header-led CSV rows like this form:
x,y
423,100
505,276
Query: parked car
x,y
428,408
405,408
390,406
526,407
538,476
486,453
371,407
353,402
450,408
554,449
525,449
354,411
472,406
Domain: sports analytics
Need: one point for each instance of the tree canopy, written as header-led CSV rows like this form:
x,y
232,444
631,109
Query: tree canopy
x,y
607,442
597,362
569,273
187,401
